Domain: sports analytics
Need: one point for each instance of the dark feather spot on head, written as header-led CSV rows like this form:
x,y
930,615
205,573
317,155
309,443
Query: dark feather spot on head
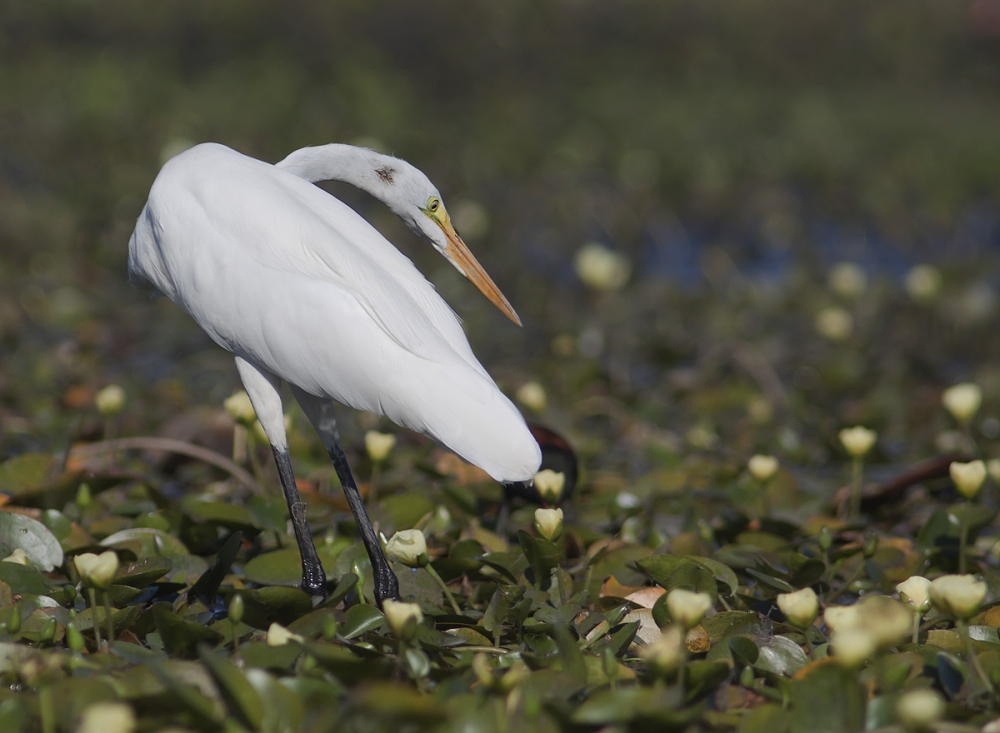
x,y
385,173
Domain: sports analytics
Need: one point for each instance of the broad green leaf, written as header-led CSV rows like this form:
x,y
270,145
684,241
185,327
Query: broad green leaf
x,y
284,567
34,538
359,619
153,542
26,473
239,695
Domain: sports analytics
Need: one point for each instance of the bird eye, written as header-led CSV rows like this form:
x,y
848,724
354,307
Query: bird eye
x,y
433,205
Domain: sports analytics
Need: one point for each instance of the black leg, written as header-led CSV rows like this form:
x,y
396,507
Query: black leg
x,y
313,577
386,585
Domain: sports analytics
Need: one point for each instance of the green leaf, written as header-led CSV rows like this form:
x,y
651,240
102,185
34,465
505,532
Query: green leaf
x,y
34,538
239,695
180,638
404,511
26,473
284,567
359,619
780,655
569,653
231,516
153,542
264,606
142,573
23,578
830,699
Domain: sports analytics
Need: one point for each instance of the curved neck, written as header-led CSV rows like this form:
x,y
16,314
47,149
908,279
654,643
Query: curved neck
x,y
338,162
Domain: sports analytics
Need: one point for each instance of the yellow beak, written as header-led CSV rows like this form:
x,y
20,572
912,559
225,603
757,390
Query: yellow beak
x,y
460,255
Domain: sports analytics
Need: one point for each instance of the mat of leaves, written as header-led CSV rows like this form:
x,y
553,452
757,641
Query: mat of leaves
x,y
549,636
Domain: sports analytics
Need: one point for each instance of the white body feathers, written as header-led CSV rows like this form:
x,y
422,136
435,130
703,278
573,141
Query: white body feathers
x,y
292,280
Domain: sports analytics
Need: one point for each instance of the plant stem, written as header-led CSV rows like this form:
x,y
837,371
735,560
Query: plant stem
x,y
857,470
93,616
963,538
108,619
46,708
916,628
444,587
963,630
232,627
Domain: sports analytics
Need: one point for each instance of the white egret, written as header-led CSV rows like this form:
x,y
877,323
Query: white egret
x,y
301,288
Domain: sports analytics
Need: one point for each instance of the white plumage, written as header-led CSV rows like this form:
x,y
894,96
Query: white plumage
x,y
301,287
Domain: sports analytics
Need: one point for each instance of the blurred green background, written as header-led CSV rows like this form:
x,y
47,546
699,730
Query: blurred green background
x,y
733,152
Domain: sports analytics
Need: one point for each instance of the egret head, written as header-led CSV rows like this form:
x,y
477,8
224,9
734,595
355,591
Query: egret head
x,y
407,192
411,196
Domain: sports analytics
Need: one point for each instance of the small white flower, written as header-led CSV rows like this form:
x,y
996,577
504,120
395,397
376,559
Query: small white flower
x,y
917,709
550,484
834,323
402,618
18,556
549,522
687,608
762,468
916,590
278,635
532,396
408,546
801,607
601,269
667,652
848,280
107,717
110,400
963,401
379,445
968,477
240,408
959,595
97,571
923,283
885,619
853,645
857,440
840,618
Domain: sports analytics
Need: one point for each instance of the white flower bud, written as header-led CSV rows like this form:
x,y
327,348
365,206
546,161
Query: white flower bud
x,y
848,280
853,645
601,269
801,607
550,484
923,283
667,652
97,571
549,523
857,440
18,556
918,709
840,618
959,595
409,547
107,717
278,635
885,619
834,323
240,408
402,618
379,445
963,401
916,590
110,400
532,396
968,477
762,468
687,608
